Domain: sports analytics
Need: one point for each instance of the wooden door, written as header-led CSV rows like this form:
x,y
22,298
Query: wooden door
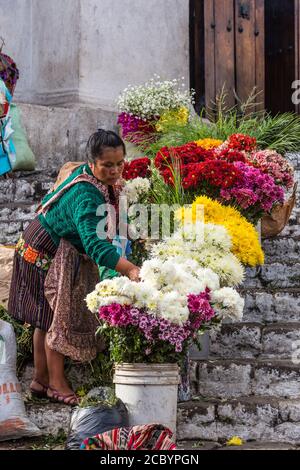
x,y
242,44
229,34
249,49
219,58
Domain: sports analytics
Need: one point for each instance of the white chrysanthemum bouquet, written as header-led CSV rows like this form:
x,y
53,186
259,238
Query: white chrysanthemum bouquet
x,y
185,288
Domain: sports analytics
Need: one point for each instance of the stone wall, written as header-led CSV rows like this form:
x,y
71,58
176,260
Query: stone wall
x,y
19,197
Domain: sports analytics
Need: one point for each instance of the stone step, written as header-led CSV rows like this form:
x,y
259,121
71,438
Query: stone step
x,y
275,275
197,445
251,418
27,187
51,418
234,378
21,193
19,198
293,227
271,306
254,340
281,249
294,159
43,443
34,443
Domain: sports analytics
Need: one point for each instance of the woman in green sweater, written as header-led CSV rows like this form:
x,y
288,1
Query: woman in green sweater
x,y
73,217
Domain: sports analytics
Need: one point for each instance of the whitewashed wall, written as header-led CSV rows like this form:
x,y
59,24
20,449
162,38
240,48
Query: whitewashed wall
x,y
89,50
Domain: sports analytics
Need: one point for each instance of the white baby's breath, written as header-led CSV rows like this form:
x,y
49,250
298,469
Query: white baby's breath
x,y
154,97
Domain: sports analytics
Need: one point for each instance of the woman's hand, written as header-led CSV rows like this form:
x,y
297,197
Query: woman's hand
x,y
134,274
126,268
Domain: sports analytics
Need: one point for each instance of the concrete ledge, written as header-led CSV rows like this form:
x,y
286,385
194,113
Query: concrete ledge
x,y
57,134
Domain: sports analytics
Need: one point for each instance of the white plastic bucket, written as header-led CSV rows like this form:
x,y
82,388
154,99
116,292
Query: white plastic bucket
x,y
149,391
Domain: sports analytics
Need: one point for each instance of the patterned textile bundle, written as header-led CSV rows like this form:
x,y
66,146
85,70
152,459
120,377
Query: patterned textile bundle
x,y
146,437
9,72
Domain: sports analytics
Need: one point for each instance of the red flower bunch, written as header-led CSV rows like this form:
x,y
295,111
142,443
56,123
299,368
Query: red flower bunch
x,y
230,155
241,142
218,174
139,167
168,176
184,155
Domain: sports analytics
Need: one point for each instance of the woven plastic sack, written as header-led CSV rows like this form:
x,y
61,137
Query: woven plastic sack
x,y
273,224
14,423
24,158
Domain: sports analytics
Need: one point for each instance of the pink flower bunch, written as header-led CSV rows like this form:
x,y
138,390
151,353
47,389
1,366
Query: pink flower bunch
x,y
254,188
275,165
200,308
151,327
155,328
116,315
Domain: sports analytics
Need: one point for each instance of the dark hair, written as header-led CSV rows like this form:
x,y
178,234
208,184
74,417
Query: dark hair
x,y
99,141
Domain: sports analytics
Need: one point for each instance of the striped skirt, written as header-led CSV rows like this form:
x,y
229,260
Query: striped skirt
x,y
34,253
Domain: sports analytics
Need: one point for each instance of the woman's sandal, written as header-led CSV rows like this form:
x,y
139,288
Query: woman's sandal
x,y
42,393
66,399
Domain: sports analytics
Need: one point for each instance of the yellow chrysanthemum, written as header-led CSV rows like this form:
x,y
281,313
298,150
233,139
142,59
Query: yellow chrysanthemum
x,y
177,116
235,441
208,144
245,241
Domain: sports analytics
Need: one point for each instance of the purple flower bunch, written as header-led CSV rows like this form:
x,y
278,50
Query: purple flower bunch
x,y
135,128
129,123
156,328
253,188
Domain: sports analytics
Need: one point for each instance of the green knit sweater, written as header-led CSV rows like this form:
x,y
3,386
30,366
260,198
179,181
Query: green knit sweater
x,y
73,217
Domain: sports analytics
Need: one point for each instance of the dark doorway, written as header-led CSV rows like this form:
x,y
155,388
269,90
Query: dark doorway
x,y
280,55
